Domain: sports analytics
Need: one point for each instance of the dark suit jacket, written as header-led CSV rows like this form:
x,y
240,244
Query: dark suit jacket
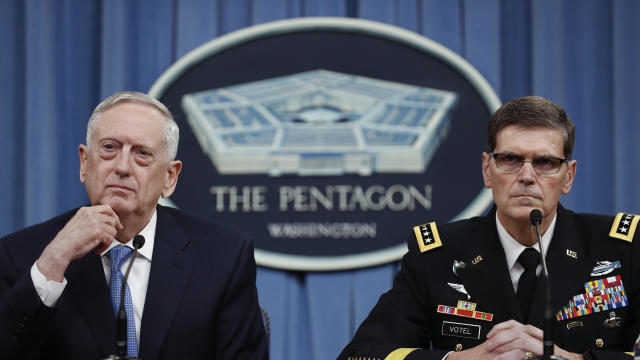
x,y
407,316
201,300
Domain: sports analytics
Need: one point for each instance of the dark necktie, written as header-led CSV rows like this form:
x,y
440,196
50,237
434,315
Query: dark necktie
x,y
529,259
118,255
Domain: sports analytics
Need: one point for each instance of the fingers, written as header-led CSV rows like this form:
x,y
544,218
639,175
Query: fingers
x,y
108,211
512,336
102,247
92,227
506,341
521,344
502,326
514,325
511,355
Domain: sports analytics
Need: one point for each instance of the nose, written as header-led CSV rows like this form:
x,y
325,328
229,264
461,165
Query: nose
x,y
527,173
123,164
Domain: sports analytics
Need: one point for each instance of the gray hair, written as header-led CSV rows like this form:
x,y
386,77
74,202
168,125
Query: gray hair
x,y
171,131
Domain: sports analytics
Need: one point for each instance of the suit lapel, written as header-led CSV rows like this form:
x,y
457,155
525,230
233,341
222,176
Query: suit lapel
x,y
171,267
568,270
88,289
486,275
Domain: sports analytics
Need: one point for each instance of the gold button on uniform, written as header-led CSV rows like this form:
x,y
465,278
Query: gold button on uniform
x,y
599,343
458,347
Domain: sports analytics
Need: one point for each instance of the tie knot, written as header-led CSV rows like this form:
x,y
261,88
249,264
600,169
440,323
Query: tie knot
x,y
119,254
529,258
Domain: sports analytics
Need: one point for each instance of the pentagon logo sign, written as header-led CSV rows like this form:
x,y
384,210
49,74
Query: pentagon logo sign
x,y
319,123
328,139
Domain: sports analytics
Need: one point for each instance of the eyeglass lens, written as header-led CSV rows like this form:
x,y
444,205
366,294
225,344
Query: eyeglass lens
x,y
513,163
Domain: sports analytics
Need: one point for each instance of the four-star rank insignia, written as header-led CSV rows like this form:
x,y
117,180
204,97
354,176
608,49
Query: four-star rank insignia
x,y
427,236
624,226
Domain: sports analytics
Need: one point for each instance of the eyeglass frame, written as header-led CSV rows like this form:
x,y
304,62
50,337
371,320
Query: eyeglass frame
x,y
562,161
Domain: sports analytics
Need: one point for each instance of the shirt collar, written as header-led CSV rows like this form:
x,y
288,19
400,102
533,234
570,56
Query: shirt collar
x,y
149,233
512,248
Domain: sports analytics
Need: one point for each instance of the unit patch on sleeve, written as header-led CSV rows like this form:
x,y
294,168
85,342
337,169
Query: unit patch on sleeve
x,y
624,226
427,236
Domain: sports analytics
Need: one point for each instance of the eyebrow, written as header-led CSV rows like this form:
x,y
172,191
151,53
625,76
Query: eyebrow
x,y
517,154
119,141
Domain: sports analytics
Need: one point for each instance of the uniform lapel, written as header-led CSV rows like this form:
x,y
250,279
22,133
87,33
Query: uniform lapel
x,y
87,288
568,270
486,275
171,267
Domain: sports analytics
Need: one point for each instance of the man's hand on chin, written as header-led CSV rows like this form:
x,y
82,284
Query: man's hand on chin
x,y
91,228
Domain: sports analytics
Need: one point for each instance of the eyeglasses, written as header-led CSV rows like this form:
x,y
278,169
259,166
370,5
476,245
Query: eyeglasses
x,y
544,165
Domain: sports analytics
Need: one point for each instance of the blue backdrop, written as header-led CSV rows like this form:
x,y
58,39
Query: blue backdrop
x,y
58,59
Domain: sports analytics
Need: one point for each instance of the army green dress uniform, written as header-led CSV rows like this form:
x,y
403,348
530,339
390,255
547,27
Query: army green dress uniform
x,y
454,286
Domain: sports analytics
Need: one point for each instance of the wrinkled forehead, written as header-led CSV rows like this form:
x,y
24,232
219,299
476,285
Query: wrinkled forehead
x,y
530,139
131,122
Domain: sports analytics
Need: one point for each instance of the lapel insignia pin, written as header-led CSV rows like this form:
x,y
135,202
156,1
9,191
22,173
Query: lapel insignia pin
x,y
613,321
604,267
459,288
465,309
572,253
573,324
477,259
467,305
458,265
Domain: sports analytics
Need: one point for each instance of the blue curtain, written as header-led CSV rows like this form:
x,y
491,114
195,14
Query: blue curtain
x,y
58,59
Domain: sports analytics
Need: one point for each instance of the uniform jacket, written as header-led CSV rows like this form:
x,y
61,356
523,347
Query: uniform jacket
x,y
407,316
201,299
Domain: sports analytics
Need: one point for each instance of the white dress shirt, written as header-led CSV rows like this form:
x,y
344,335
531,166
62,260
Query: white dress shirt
x,y
512,249
50,291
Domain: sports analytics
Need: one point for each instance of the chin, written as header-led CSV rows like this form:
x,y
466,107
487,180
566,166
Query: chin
x,y
119,205
521,212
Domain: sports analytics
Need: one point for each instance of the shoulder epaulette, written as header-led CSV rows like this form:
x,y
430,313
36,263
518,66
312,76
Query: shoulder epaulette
x,y
624,226
427,236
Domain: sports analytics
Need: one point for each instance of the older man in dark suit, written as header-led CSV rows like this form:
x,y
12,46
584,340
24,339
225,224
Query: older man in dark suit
x,y
191,293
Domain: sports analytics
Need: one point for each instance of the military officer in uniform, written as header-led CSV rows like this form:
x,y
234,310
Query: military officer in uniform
x,y
469,289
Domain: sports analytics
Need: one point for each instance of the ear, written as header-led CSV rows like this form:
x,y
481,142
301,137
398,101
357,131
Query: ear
x,y
171,179
83,152
569,176
486,169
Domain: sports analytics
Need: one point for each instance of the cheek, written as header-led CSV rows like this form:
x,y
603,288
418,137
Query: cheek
x,y
150,183
552,189
97,170
501,184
